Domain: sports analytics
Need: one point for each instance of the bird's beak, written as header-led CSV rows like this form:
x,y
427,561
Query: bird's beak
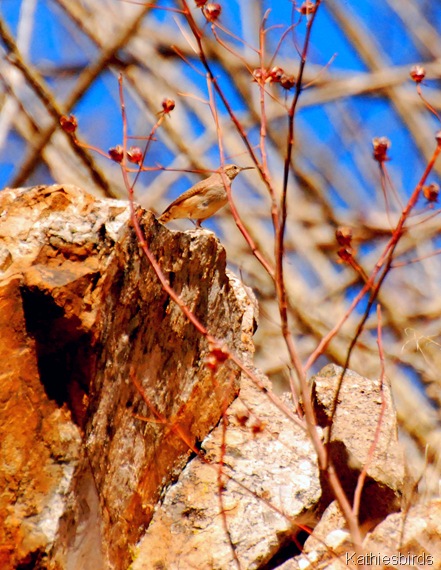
x,y
247,167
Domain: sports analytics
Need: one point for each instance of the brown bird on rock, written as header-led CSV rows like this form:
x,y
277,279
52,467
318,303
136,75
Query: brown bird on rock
x,y
203,199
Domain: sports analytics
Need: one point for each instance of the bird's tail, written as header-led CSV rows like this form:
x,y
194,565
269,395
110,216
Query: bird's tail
x,y
166,216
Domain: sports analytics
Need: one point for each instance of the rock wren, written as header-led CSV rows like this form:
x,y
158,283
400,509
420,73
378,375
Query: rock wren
x,y
203,199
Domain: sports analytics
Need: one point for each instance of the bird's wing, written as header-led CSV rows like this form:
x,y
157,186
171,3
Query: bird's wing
x,y
187,194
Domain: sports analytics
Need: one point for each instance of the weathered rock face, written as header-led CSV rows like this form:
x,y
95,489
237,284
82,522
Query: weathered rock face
x,y
40,447
269,481
409,539
365,414
414,534
85,318
105,392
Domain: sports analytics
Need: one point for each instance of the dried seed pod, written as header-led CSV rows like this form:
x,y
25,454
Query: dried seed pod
x,y
212,11
417,73
242,416
381,145
275,74
116,153
307,8
287,81
168,105
68,124
134,154
343,235
259,75
431,192
211,362
217,355
345,254
257,427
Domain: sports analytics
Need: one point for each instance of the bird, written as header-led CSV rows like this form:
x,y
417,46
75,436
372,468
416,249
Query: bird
x,y
203,199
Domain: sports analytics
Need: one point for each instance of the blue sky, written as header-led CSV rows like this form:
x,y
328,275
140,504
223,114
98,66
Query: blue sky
x,y
54,44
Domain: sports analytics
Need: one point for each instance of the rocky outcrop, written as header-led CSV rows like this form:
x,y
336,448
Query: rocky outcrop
x,y
84,321
364,436
268,483
123,445
408,540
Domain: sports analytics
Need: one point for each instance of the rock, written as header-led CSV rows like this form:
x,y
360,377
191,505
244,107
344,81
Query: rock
x,y
111,450
85,453
270,482
326,546
412,537
40,447
355,427
360,404
409,539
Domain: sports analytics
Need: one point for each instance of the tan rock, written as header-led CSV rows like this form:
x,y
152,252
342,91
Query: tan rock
x,y
354,430
40,447
270,481
84,318
406,540
411,537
